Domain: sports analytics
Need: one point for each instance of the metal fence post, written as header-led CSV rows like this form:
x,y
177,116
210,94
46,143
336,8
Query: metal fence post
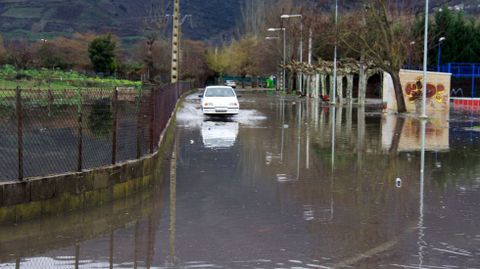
x,y
152,118
80,132
19,111
473,80
114,126
50,102
139,123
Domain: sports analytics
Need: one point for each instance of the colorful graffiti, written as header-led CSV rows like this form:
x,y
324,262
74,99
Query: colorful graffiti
x,y
414,91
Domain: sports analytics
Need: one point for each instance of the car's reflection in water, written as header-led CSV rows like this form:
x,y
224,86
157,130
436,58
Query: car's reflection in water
x,y
219,132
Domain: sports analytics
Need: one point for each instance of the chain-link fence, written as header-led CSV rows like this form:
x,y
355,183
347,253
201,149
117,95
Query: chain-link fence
x,y
44,132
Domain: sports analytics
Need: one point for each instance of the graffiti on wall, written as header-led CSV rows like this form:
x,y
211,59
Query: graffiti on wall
x,y
438,91
414,91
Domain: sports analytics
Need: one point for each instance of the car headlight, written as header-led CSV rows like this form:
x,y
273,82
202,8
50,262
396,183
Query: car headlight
x,y
233,104
208,104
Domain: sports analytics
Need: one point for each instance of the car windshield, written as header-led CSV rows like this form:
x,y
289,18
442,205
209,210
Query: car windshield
x,y
219,92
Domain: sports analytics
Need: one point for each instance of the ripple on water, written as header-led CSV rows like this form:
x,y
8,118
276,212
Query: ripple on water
x,y
190,115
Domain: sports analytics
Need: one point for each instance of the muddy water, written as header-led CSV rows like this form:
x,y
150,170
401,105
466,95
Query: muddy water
x,y
285,184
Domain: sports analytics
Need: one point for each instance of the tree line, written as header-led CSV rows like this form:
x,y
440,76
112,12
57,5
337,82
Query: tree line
x,y
95,54
378,31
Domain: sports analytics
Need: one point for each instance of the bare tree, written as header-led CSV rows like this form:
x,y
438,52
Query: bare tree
x,y
19,54
253,17
155,26
382,37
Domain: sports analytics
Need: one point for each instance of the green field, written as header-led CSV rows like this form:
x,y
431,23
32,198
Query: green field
x,y
11,78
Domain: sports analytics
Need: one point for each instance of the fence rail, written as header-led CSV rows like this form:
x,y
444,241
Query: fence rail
x,y
44,132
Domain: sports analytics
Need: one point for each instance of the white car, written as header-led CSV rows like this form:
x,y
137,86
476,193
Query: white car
x,y
231,83
219,100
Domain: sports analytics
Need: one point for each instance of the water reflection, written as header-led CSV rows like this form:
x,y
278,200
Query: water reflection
x,y
219,134
404,134
311,187
421,229
172,258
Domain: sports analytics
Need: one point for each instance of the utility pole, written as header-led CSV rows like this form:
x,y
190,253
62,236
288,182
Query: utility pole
x,y
175,41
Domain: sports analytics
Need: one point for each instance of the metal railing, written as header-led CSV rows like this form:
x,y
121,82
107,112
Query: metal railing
x,y
45,132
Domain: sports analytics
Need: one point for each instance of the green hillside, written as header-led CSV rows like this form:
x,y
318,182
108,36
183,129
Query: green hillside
x,y
32,19
213,20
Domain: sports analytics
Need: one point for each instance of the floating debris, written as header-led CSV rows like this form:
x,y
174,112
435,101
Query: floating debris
x,y
398,182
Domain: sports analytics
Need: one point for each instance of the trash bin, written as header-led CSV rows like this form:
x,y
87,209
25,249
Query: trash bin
x,y
270,84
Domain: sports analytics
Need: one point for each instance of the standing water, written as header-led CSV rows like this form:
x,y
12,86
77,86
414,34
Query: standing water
x,y
287,183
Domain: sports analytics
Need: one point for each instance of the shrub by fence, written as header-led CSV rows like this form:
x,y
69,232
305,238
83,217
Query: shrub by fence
x,y
44,132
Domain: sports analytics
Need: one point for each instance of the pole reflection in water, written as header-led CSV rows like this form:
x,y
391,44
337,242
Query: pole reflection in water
x,y
349,116
333,137
172,260
421,233
339,115
307,143
136,245
77,254
360,135
282,105
321,131
299,126
332,175
150,242
111,248
316,113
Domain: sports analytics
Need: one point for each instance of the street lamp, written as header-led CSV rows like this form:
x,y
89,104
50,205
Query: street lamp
x,y
335,56
284,79
425,59
440,41
289,16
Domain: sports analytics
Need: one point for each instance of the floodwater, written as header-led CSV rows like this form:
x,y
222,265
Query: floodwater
x,y
285,184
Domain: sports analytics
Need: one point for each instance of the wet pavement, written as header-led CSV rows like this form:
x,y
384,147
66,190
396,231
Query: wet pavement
x,y
285,184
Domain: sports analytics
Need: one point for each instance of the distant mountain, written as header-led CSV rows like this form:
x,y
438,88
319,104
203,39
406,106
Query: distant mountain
x,y
213,20
210,19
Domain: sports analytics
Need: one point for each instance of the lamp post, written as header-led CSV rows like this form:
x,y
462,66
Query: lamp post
x,y
440,41
284,78
289,16
335,57
425,58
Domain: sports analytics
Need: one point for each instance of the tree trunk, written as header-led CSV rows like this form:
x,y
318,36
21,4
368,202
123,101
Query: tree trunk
x,y
401,106
362,85
350,89
340,89
397,133
323,84
331,87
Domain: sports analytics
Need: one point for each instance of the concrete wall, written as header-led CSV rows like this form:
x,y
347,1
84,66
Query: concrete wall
x,y
438,91
57,194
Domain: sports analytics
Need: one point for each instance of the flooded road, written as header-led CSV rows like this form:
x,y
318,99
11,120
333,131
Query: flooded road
x,y
285,184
